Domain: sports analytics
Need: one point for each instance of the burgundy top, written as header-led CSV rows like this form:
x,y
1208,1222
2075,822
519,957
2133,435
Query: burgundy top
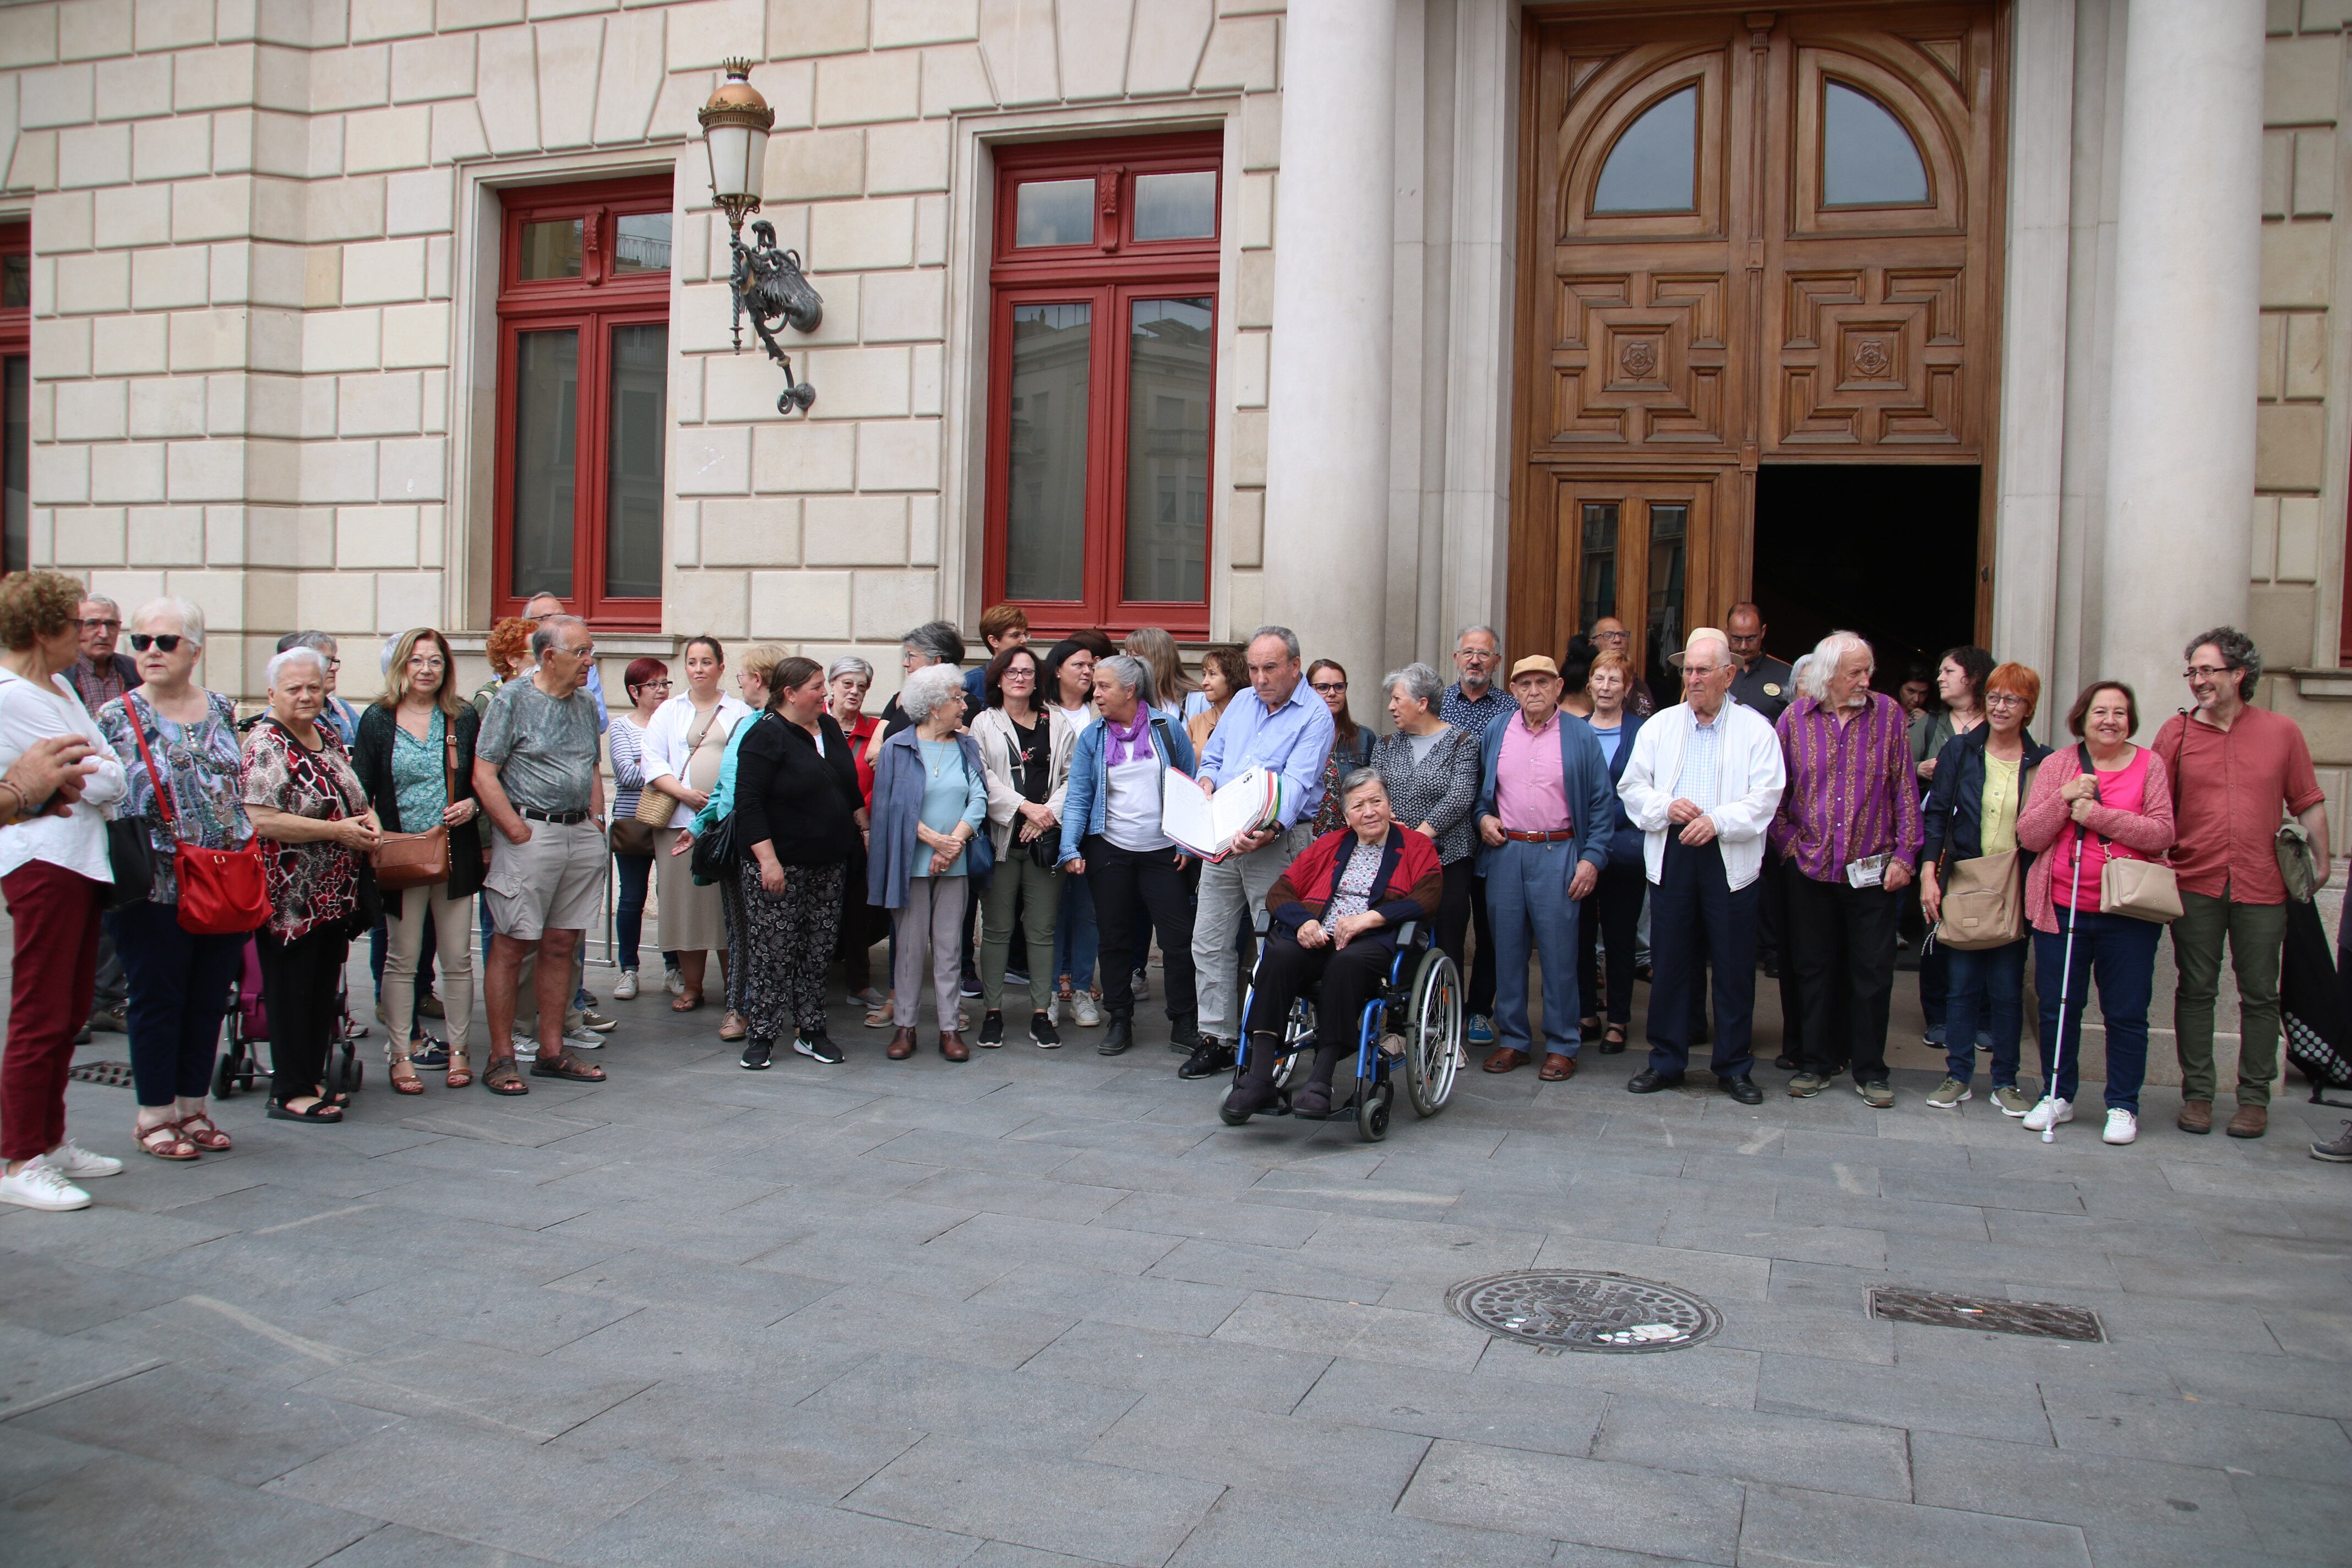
x,y
1850,791
2228,786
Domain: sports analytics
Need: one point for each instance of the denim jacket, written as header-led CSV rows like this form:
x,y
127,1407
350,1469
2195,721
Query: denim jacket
x,y
1088,805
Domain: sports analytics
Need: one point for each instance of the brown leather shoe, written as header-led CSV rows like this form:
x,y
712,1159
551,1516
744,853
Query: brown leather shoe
x,y
902,1046
951,1046
2251,1121
1556,1068
2196,1116
1505,1059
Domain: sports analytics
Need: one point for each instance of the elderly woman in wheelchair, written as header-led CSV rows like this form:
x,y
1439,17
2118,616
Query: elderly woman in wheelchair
x,y
1334,916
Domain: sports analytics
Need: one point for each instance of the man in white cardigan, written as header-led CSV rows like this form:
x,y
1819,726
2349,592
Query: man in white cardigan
x,y
1702,784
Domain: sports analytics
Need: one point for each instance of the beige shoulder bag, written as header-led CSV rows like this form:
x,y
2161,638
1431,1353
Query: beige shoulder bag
x,y
2144,890
653,808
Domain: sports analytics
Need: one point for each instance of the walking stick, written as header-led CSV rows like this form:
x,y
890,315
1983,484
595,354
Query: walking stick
x,y
2065,989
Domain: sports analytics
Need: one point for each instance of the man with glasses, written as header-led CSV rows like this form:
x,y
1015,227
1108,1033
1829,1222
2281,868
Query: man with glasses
x,y
1470,705
539,608
2236,771
101,674
1610,636
1703,783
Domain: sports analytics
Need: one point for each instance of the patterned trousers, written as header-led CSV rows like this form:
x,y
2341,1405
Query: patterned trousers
x,y
783,945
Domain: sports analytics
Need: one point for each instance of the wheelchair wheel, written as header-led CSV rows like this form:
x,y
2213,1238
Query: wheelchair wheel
x,y
344,1071
1373,1100
1432,1033
224,1079
1297,1044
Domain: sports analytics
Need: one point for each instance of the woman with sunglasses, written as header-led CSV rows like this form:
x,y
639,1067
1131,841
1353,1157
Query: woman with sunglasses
x,y
647,683
179,981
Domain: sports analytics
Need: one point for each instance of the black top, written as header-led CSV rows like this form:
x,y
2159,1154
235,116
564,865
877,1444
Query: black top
x,y
372,760
1037,757
1765,686
787,795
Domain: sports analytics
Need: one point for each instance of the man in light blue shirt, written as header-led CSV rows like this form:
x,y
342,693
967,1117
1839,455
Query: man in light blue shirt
x,y
1283,726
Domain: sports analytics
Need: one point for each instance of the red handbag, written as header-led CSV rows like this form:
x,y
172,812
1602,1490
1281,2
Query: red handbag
x,y
222,892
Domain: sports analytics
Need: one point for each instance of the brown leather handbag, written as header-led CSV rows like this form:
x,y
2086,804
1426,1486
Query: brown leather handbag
x,y
403,860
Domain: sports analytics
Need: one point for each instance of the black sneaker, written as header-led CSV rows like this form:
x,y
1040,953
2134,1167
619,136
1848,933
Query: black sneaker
x,y
756,1053
433,1054
1040,1030
820,1048
1210,1058
971,983
991,1029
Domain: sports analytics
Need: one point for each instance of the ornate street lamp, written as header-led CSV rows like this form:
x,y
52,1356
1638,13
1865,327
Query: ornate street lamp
x,y
767,282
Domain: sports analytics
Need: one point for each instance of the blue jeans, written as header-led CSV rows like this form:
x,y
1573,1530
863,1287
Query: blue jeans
x,y
629,914
179,995
1526,899
2119,953
1985,994
1075,938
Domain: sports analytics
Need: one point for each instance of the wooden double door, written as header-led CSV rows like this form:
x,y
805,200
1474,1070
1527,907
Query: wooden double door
x,y
1750,237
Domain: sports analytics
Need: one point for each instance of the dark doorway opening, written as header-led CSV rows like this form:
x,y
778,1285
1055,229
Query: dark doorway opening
x,y
1885,550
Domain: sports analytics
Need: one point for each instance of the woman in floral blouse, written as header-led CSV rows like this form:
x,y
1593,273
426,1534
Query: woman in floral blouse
x,y
179,981
305,799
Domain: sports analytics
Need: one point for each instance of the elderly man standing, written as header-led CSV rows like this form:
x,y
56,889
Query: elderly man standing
x,y
1545,814
1849,829
1470,705
1283,726
101,674
536,777
1703,782
2236,770
540,608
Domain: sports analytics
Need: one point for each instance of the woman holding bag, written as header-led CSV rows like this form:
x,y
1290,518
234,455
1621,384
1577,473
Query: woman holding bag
x,y
414,754
684,746
2077,821
180,761
1981,777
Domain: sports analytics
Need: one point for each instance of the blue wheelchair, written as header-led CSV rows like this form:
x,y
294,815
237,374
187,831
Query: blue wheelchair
x,y
1414,1026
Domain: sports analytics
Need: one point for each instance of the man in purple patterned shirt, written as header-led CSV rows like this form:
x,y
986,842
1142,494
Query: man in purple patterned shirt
x,y
1849,830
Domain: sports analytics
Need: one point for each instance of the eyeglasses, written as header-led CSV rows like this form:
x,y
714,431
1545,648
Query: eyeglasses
x,y
1330,688
2210,671
141,641
1478,655
2003,699
99,624
1699,671
413,663
332,665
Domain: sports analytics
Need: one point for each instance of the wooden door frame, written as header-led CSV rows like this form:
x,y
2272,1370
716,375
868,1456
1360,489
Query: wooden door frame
x,y
1530,608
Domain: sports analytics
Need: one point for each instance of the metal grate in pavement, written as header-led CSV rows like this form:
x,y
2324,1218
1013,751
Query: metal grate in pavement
x,y
2034,1320
1584,1310
114,1075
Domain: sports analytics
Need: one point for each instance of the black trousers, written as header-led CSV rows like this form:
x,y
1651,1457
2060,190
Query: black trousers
x,y
1843,941
1350,976
1612,918
1480,1000
1696,915
1454,910
298,984
1136,894
1774,885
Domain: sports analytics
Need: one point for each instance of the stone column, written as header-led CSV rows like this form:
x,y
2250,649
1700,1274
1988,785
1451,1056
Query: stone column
x,y
1327,501
2181,450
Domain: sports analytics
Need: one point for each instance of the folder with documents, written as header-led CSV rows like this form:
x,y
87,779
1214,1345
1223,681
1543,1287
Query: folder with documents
x,y
1207,826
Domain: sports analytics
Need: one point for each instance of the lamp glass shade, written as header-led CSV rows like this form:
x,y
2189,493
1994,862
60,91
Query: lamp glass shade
x,y
739,155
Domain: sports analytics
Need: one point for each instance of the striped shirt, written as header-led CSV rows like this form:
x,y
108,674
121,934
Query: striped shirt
x,y
1701,762
1850,792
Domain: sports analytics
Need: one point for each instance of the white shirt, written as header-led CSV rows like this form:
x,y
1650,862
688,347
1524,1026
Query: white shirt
x,y
1131,806
1748,779
78,843
674,724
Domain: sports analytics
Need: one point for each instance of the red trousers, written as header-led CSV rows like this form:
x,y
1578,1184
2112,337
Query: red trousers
x,y
56,913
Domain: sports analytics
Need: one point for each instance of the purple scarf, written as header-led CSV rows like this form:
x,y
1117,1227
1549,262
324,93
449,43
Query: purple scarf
x,y
1132,743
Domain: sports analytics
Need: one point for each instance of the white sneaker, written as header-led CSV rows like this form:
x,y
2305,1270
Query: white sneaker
x,y
523,1044
1088,1010
674,981
2123,1127
74,1162
626,989
2049,1114
583,1040
40,1186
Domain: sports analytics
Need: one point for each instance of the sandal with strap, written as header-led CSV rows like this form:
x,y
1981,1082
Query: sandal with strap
x,y
163,1140
197,1128
461,1071
564,1065
412,1084
685,1001
500,1077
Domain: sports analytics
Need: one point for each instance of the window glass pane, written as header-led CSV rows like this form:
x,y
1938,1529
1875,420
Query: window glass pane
x,y
641,244
546,483
14,553
1669,541
1055,212
551,249
16,280
1168,395
1868,160
1599,576
1045,506
633,496
1654,168
1176,206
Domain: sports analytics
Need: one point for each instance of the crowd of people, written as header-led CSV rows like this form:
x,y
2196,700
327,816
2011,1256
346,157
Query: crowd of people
x,y
1561,832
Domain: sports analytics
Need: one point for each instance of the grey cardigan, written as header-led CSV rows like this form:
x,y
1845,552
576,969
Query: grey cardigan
x,y
891,845
1440,791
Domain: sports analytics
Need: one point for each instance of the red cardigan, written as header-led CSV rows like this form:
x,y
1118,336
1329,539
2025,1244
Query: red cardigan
x,y
1409,887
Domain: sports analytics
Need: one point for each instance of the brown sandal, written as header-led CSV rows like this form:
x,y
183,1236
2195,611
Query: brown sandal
x,y
198,1128
163,1140
461,1071
564,1065
685,1002
412,1084
500,1077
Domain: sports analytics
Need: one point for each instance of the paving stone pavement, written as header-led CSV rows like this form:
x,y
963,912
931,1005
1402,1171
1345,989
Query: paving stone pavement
x,y
1043,1308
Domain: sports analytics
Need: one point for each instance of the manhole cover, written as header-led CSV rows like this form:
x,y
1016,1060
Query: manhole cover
x,y
1585,1310
2036,1319
114,1075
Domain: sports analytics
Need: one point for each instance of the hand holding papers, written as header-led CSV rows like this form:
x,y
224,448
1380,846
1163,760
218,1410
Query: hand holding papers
x,y
1206,825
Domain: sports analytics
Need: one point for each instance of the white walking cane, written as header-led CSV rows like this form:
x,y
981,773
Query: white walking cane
x,y
2065,989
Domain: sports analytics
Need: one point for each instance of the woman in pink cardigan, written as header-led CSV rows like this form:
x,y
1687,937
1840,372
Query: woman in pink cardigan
x,y
2121,810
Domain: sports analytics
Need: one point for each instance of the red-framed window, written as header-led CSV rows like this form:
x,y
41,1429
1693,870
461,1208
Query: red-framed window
x,y
583,399
16,394
1102,377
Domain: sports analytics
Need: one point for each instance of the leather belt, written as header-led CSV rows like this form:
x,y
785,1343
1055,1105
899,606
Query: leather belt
x,y
1561,837
561,818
